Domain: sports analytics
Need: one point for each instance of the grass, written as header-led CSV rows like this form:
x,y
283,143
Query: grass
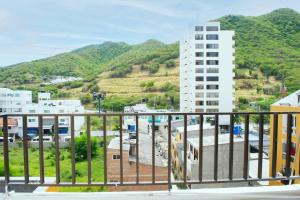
x,y
16,164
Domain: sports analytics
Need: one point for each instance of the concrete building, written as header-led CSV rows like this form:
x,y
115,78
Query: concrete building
x,y
20,102
208,160
290,103
145,122
206,71
129,164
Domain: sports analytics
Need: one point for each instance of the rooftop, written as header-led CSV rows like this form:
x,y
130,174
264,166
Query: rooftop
x,y
194,127
290,100
210,140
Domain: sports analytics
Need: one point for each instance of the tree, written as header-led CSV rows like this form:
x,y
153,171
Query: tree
x,y
170,63
86,99
81,147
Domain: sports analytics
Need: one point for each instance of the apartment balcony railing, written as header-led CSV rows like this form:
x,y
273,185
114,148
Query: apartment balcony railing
x,y
233,116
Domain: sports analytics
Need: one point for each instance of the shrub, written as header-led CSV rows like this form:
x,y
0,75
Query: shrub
x,y
86,99
152,68
170,63
81,147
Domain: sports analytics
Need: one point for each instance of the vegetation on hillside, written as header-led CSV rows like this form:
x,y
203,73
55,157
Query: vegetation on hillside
x,y
267,55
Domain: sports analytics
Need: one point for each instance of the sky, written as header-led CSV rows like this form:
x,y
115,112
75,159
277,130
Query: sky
x,y
34,29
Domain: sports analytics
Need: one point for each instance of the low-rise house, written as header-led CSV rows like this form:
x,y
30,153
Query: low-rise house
x,y
129,164
20,102
289,103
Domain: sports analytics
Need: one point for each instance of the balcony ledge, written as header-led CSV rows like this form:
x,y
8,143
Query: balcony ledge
x,y
266,192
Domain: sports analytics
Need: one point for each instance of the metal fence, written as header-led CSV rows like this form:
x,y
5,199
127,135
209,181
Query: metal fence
x,y
246,116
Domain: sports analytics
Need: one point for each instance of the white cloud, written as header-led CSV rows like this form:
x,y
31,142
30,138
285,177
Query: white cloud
x,y
73,36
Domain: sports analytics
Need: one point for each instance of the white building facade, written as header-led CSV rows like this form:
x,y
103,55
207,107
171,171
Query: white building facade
x,y
20,102
206,70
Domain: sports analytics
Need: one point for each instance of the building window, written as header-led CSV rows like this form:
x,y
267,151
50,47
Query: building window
x,y
199,103
199,110
199,78
199,87
212,70
212,37
0,109
212,110
212,54
31,111
199,46
199,62
298,98
212,62
212,78
212,94
199,95
198,28
116,157
212,28
212,87
199,37
199,70
212,46
31,120
46,111
199,54
212,103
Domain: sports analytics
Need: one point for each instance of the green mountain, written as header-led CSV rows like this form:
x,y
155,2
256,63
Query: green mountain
x,y
83,62
270,43
267,44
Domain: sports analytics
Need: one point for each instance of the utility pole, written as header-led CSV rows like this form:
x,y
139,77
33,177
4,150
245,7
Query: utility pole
x,y
99,96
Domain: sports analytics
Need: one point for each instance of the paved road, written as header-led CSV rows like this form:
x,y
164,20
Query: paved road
x,y
247,193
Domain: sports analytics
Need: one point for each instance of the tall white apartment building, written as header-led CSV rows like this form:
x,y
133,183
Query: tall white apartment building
x,y
206,71
20,102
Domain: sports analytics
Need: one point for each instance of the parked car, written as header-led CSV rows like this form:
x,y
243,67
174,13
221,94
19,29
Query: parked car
x,y
10,139
45,139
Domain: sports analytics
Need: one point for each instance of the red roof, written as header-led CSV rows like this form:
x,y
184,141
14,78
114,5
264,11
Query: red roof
x,y
11,122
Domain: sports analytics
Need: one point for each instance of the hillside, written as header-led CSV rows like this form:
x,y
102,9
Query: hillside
x,y
267,54
270,43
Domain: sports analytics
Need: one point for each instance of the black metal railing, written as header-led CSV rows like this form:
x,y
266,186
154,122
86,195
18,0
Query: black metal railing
x,y
245,116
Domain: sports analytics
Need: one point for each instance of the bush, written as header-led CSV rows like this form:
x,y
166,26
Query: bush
x,y
170,63
243,100
81,147
152,68
86,99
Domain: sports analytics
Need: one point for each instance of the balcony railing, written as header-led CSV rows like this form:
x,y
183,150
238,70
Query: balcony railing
x,y
233,117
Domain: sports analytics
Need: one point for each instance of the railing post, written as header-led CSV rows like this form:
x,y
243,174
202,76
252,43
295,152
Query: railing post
x,y
246,147
56,137
121,149
153,149
260,145
169,152
41,149
105,150
5,149
274,144
137,148
231,147
185,149
200,148
288,144
216,147
89,149
73,151
25,150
